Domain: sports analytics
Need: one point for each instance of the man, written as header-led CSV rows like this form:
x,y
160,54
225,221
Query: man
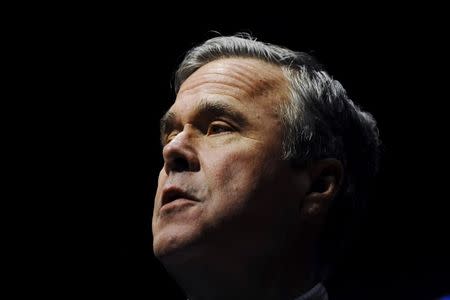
x,y
261,148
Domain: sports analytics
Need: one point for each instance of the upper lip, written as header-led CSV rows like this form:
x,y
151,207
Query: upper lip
x,y
173,193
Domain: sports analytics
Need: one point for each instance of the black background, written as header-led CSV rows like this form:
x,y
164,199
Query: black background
x,y
107,82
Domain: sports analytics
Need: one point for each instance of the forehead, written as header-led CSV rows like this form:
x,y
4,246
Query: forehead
x,y
240,78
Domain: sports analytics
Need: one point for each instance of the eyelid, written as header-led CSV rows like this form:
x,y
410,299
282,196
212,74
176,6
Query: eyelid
x,y
170,136
225,125
220,124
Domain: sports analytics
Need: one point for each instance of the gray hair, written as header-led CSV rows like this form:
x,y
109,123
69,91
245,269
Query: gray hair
x,y
319,122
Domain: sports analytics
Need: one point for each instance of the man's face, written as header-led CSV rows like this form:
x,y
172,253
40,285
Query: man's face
x,y
223,189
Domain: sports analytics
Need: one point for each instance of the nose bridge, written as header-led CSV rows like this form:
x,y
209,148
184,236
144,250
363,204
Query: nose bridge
x,y
180,153
184,138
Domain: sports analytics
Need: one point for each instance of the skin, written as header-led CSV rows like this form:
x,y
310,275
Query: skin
x,y
246,233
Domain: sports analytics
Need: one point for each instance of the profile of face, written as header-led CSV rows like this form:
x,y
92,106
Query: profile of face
x,y
224,190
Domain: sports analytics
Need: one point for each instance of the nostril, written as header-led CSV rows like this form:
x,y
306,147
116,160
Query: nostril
x,y
180,164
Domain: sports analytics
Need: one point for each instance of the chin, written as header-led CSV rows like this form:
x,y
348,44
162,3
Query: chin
x,y
166,248
174,249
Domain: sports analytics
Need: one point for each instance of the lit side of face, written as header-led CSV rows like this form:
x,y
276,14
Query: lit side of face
x,y
223,189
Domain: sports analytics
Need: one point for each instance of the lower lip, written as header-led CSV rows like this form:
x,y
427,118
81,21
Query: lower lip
x,y
177,204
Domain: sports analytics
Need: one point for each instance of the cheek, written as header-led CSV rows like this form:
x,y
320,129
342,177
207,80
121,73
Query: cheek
x,y
245,191
234,177
233,169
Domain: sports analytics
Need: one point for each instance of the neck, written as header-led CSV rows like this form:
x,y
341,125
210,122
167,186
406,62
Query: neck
x,y
280,276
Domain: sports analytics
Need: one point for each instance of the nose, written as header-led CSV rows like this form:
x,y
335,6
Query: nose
x,y
180,154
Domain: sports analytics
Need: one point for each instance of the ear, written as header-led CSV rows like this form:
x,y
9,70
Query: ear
x,y
326,177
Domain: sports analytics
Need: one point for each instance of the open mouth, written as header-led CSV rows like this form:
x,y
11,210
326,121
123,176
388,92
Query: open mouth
x,y
173,194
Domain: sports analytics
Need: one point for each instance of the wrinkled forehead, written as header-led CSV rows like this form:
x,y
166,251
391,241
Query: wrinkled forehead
x,y
245,77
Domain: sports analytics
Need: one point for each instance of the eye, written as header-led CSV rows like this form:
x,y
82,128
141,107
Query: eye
x,y
170,137
216,128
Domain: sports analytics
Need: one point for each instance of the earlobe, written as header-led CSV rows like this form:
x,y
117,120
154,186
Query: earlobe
x,y
326,178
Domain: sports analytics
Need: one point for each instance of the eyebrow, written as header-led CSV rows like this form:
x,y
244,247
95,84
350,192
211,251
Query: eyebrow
x,y
205,108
